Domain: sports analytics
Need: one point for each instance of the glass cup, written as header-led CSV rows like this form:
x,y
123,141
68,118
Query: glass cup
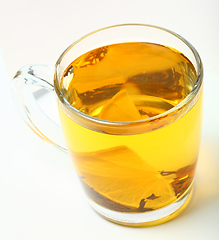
x,y
134,173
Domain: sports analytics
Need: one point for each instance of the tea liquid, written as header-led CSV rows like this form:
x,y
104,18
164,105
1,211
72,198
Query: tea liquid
x,y
131,82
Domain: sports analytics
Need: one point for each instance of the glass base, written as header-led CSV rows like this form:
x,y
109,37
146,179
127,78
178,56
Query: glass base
x,y
144,219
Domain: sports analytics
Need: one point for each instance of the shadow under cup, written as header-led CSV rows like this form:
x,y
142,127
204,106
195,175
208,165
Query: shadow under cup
x,y
135,173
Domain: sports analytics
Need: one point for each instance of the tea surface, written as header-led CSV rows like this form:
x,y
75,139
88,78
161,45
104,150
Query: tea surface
x,y
151,77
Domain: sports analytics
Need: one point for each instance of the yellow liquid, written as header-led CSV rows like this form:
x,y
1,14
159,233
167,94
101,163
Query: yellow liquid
x,y
132,172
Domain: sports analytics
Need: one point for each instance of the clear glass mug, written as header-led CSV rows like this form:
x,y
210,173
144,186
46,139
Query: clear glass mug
x,y
135,173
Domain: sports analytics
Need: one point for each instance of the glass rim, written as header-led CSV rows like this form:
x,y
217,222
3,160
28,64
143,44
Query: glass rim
x,y
193,93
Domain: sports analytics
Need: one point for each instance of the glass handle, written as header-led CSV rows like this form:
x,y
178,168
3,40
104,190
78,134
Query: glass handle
x,y
33,94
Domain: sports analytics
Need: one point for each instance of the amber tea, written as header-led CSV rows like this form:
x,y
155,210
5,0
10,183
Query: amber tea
x,y
132,82
130,104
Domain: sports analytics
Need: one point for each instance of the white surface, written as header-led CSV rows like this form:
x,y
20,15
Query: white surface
x,y
40,197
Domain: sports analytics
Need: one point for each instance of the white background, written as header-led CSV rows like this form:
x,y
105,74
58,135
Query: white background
x,y
40,196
